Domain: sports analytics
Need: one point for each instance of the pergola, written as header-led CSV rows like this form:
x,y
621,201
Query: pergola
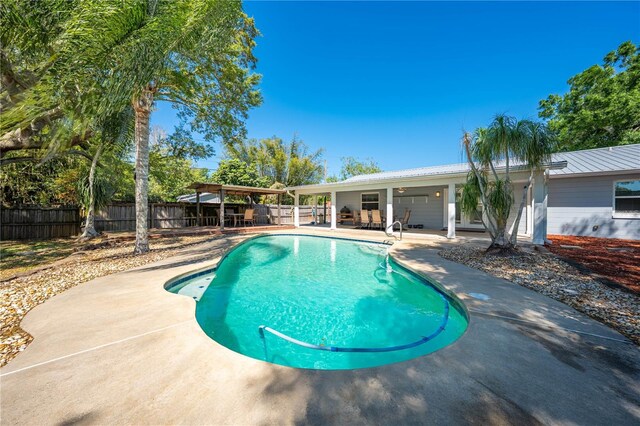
x,y
224,190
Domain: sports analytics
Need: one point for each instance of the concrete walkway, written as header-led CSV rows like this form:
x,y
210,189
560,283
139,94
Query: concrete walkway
x,y
120,349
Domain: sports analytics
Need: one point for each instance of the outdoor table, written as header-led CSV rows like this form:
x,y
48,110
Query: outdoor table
x,y
236,217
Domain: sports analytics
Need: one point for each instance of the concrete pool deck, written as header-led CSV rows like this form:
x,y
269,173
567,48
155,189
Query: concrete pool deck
x,y
121,349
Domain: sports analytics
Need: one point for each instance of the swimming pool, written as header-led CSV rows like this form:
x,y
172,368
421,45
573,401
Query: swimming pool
x,y
321,303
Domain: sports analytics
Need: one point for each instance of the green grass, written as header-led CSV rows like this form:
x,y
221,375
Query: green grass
x,y
20,256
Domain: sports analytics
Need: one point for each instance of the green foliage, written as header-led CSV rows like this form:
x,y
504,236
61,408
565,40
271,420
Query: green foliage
x,y
61,180
492,153
46,184
180,144
291,164
169,176
351,166
237,172
87,60
69,73
102,191
471,193
602,106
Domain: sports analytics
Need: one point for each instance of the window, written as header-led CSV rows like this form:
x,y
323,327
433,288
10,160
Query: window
x,y
370,201
626,199
475,218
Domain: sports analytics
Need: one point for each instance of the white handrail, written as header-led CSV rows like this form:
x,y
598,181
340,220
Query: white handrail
x,y
443,324
386,230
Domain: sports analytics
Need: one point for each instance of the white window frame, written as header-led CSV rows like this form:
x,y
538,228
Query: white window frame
x,y
465,220
369,202
623,215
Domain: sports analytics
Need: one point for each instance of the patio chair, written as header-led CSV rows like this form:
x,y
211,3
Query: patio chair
x,y
224,218
364,219
376,219
248,217
405,220
356,218
228,216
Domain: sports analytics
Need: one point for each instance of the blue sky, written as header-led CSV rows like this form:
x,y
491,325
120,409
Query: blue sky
x,y
399,81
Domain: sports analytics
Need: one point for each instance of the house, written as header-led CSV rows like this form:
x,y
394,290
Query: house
x,y
593,192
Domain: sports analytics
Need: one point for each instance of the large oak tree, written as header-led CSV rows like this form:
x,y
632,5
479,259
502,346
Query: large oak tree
x,y
602,106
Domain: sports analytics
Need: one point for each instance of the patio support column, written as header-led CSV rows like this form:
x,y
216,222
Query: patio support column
x,y
389,207
198,208
451,211
279,201
333,210
315,202
221,213
539,208
530,211
296,210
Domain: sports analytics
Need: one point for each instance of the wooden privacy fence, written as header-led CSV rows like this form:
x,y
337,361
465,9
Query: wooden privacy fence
x,y
35,222
38,223
122,216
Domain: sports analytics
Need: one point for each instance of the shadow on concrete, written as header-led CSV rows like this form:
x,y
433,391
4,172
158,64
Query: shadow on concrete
x,y
502,371
525,382
80,419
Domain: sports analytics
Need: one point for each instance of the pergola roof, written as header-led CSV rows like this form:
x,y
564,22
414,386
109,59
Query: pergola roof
x,y
233,189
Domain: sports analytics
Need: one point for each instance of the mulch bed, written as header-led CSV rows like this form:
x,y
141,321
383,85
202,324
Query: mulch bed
x,y
614,260
553,277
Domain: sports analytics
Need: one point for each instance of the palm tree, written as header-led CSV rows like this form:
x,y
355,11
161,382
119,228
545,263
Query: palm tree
x,y
95,192
114,133
196,54
525,143
290,164
99,58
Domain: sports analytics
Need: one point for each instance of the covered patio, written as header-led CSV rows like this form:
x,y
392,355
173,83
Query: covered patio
x,y
426,201
216,193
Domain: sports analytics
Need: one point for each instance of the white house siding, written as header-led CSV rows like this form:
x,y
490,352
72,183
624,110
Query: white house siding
x,y
583,206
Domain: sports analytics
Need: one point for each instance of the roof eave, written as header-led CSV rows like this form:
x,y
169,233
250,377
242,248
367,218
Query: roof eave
x,y
556,165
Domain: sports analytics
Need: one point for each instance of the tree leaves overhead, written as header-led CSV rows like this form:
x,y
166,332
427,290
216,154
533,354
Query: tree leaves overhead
x,y
352,166
67,65
237,172
602,106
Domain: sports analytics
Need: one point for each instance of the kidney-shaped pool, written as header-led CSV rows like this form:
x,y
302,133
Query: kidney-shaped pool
x,y
322,303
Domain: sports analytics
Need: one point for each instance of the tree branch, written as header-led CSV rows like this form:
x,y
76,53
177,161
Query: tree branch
x,y
22,138
13,160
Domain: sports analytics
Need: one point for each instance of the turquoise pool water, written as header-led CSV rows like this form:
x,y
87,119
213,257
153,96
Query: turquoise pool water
x,y
325,292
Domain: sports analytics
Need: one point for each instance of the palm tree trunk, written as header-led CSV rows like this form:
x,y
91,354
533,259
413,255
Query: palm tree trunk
x,y
89,224
142,107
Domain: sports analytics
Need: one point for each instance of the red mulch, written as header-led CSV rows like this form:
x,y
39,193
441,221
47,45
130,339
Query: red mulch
x,y
620,266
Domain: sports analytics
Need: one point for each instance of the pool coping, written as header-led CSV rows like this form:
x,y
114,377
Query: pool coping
x,y
451,298
198,272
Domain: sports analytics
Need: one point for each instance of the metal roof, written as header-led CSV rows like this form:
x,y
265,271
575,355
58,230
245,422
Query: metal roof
x,y
600,160
205,198
614,159
233,189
